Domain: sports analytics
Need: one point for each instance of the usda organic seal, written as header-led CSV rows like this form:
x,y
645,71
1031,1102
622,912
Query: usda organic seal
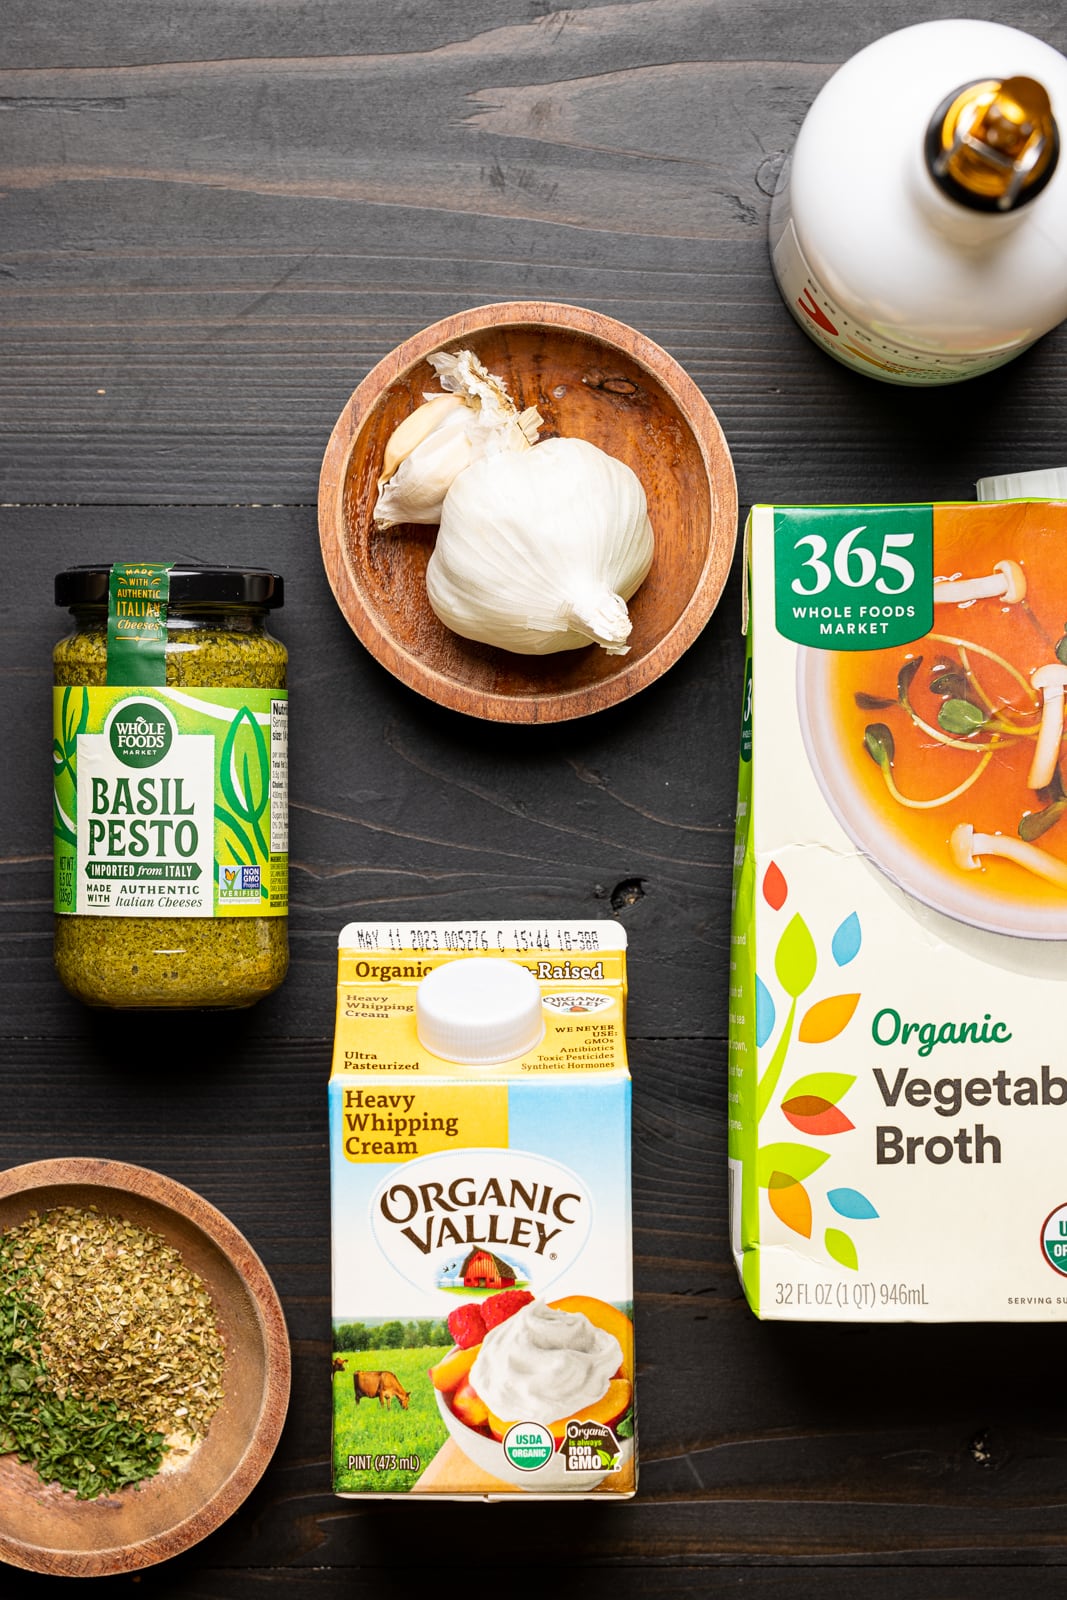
x,y
1054,1239
529,1445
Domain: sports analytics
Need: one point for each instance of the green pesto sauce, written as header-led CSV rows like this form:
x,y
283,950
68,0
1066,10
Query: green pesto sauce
x,y
176,961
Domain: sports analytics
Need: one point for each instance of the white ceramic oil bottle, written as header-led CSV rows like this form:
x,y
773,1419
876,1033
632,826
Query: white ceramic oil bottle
x,y
919,230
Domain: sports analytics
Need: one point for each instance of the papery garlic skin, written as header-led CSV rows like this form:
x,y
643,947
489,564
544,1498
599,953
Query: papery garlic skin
x,y
431,447
539,551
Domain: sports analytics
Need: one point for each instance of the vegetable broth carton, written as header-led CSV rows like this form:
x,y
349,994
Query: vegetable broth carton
x,y
897,1073
480,1177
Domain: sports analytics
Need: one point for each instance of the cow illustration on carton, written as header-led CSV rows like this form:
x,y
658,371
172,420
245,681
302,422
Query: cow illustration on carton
x,y
385,1387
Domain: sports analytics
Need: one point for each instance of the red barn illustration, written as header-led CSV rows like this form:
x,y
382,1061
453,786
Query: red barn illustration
x,y
483,1270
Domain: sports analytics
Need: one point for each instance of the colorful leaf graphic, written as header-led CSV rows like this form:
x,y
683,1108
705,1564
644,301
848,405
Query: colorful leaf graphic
x,y
841,1248
790,1203
831,1086
74,717
62,824
248,858
249,794
73,720
775,887
816,1117
845,944
795,959
827,1018
769,1082
765,1013
850,1203
795,1161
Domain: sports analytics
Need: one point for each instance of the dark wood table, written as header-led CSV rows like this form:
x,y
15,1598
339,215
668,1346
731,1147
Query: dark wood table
x,y
216,217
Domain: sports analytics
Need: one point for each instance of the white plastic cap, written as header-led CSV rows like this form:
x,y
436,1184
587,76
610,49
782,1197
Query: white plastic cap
x,y
479,1011
1048,483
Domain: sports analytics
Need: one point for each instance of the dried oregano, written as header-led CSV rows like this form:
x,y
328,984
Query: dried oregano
x,y
108,1349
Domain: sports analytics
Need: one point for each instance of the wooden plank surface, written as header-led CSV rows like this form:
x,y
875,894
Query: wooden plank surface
x,y
215,219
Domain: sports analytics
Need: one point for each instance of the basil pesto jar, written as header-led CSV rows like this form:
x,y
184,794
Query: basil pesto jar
x,y
170,799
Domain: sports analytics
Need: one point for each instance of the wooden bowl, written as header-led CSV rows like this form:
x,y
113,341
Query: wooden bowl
x,y
46,1529
589,377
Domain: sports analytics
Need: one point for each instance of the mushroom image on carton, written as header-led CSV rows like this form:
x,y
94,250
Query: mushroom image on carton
x,y
1007,581
1050,680
969,847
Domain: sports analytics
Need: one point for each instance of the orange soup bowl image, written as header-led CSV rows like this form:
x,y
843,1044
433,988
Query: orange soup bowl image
x,y
958,855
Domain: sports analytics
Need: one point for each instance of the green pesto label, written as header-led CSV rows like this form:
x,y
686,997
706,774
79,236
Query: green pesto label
x,y
138,593
854,577
170,802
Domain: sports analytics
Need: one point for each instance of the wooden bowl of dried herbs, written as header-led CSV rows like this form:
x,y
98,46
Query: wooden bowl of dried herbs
x,y
144,1367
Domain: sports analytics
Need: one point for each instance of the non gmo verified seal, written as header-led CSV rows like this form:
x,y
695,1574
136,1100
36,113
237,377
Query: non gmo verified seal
x,y
1054,1239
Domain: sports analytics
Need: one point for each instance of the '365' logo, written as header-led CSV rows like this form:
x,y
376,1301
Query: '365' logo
x,y
854,578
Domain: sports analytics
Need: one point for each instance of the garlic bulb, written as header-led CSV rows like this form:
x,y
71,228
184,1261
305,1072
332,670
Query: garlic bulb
x,y
539,551
475,417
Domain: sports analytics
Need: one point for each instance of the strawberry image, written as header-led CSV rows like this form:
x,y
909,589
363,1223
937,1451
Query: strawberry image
x,y
466,1325
499,1307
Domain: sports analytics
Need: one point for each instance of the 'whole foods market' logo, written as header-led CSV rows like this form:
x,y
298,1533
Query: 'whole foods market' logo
x,y
485,1218
140,733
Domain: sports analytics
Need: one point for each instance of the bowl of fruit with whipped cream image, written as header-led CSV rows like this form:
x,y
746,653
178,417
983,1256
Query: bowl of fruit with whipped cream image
x,y
539,1394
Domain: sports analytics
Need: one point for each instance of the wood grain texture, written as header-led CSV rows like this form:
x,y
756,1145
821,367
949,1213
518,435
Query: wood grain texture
x,y
211,237
588,377
215,220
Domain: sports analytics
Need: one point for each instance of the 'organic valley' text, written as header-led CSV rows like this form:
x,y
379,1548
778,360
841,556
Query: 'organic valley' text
x,y
483,1211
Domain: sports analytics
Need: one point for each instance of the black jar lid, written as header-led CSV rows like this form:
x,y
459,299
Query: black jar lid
x,y
189,586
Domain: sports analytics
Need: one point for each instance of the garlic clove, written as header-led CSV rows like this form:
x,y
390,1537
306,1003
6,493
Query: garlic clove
x,y
410,433
428,449
416,491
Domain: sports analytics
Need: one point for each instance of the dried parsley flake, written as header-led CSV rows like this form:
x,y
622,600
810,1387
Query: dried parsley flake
x,y
108,1349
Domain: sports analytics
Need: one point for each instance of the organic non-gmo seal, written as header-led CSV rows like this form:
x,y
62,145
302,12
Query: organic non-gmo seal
x,y
170,800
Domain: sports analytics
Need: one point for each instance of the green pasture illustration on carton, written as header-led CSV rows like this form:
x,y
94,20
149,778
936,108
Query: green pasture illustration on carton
x,y
811,1103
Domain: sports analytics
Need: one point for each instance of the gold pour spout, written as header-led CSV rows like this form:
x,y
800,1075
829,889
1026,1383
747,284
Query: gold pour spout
x,y
994,145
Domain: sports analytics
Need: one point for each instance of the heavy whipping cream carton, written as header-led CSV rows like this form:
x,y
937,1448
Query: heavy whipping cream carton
x,y
897,1069
480,1179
